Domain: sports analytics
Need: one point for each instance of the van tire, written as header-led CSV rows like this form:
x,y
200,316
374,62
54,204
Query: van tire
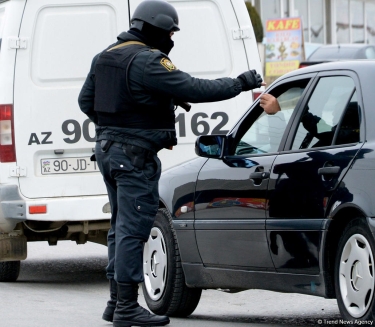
x,y
9,271
172,297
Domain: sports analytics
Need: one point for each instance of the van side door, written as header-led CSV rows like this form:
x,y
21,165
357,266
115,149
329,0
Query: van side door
x,y
54,139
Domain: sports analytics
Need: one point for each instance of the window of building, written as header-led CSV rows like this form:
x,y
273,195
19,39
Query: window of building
x,y
270,9
285,8
311,12
352,20
301,10
317,21
342,21
370,22
357,22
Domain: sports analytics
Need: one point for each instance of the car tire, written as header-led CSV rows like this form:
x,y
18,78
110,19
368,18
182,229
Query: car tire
x,y
354,272
164,287
9,271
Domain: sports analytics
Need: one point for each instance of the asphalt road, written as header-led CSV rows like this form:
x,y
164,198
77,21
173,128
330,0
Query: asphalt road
x,y
65,286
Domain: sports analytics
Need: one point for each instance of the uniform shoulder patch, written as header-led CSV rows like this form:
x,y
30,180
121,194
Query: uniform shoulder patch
x,y
166,63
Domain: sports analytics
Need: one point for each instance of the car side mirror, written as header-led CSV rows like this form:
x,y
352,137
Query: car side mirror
x,y
210,146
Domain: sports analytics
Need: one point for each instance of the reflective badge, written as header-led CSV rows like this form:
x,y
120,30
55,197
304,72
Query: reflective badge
x,y
166,63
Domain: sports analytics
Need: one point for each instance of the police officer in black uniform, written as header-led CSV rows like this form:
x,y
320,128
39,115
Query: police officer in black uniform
x,y
130,94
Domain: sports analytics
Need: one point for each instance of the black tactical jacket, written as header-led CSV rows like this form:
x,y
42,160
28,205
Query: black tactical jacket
x,y
151,76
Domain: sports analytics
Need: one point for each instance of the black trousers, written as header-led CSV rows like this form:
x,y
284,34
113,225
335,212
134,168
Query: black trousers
x,y
134,198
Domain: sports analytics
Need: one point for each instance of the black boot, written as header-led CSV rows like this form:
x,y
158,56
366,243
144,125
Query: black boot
x,y
129,313
111,304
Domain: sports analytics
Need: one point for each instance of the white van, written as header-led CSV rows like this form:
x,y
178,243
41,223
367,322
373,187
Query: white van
x,y
49,188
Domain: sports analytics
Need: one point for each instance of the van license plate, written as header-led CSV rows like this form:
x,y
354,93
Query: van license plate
x,y
68,166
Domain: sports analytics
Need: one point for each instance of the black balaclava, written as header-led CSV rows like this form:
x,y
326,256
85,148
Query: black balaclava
x,y
156,37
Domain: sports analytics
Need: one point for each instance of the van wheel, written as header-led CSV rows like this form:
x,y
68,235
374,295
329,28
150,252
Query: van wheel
x,y
354,272
9,271
164,287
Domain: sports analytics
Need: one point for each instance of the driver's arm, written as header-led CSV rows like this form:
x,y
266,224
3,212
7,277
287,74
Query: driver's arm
x,y
269,104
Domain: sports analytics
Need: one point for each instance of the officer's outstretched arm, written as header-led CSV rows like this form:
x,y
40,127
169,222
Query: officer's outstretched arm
x,y
162,76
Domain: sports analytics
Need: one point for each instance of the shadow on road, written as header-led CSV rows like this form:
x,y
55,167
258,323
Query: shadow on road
x,y
71,282
261,320
73,271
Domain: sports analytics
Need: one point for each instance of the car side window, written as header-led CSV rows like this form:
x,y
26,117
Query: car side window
x,y
331,106
370,53
349,126
266,132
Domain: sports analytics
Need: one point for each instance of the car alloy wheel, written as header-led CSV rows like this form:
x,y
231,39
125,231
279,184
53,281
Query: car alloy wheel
x,y
155,264
354,276
357,275
164,288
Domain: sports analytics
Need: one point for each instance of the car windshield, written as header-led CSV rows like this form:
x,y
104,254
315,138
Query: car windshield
x,y
334,53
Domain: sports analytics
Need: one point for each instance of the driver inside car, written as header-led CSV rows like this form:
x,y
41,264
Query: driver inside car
x,y
314,124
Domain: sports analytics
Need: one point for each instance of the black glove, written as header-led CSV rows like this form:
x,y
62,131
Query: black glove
x,y
250,80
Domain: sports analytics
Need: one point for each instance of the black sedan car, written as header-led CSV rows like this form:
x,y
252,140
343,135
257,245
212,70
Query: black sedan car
x,y
334,52
281,203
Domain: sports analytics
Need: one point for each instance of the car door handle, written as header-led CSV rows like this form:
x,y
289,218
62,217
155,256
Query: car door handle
x,y
329,170
260,175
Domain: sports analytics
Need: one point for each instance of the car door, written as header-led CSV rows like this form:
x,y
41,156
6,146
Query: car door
x,y
324,139
231,194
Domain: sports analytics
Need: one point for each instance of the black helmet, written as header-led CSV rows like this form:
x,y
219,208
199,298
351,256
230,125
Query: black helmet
x,y
158,13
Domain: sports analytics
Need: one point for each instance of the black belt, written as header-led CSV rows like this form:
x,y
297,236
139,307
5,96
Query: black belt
x,y
136,154
132,150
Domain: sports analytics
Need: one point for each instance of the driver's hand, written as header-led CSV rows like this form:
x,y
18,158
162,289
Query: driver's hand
x,y
269,104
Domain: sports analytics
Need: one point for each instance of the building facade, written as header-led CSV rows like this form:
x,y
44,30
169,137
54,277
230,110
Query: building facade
x,y
325,21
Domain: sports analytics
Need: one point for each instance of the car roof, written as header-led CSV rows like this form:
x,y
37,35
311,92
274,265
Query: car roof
x,y
340,52
345,45
361,66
